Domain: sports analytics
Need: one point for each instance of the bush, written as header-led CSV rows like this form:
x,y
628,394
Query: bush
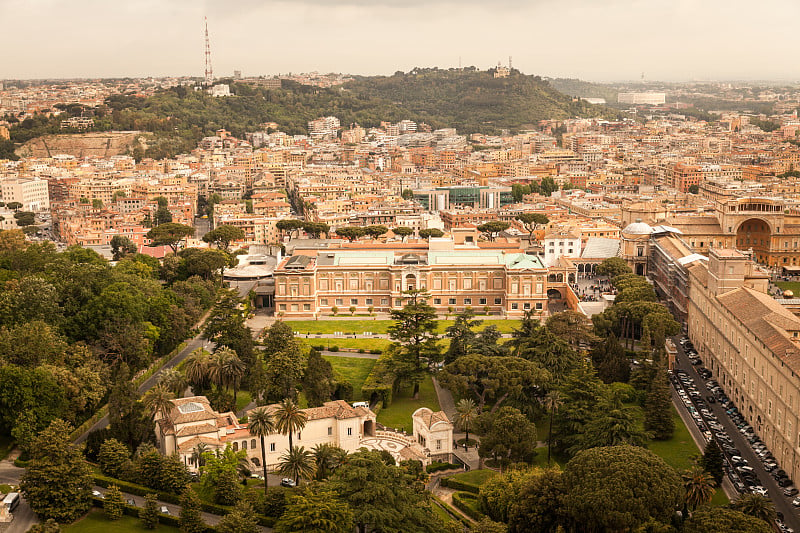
x,y
343,391
361,350
377,351
459,485
380,381
334,349
436,466
467,503
319,347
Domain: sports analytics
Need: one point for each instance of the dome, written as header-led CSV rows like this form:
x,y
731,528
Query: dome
x,y
638,228
788,294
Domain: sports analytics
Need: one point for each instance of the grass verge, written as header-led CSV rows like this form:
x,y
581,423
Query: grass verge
x,y
398,414
96,522
351,370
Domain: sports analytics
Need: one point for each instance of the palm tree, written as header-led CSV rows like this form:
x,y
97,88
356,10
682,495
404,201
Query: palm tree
x,y
289,418
297,463
158,400
327,457
552,402
466,414
173,380
699,486
260,424
216,365
755,505
196,369
233,370
197,454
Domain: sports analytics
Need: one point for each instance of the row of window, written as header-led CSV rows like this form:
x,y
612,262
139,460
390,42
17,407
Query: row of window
x,y
254,442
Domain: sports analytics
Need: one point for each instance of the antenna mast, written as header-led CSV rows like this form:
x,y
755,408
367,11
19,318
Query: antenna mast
x,y
209,72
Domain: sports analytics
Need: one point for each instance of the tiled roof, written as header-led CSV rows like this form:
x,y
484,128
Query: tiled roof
x,y
429,418
338,409
199,429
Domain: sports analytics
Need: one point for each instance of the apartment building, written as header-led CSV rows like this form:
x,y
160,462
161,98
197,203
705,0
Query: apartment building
x,y
33,194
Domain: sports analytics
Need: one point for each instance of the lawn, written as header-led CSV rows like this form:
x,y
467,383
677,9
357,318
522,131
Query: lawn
x,y
96,522
476,477
242,399
793,286
368,345
358,326
398,414
351,370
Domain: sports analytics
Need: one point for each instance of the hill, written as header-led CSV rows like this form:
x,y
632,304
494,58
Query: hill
x,y
468,100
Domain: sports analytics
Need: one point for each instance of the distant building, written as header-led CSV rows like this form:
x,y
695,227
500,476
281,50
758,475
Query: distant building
x,y
80,123
221,89
645,98
31,193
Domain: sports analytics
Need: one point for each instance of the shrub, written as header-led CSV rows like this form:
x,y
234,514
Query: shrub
x,y
343,391
380,381
436,466
361,350
334,349
319,347
467,503
459,485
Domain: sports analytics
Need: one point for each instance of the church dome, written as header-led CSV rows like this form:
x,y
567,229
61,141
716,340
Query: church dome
x,y
638,228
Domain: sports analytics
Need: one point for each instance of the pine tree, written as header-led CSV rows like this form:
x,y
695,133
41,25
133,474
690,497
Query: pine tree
x,y
190,519
227,491
713,460
612,364
658,408
113,504
240,520
149,513
318,380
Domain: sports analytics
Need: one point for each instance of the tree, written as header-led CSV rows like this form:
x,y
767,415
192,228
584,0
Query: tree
x,y
531,222
403,232
462,335
613,424
297,463
191,520
537,504
318,382
713,518
493,229
113,504
222,236
149,513
227,370
289,418
57,483
376,230
573,327
694,189
227,490
414,336
173,380
289,225
382,497
613,267
755,505
284,372
316,229
581,393
327,458
196,369
430,232
658,409
14,206
611,362
407,194
713,461
122,246
620,488
158,401
261,424
508,436
241,520
351,233
315,511
170,234
699,486
114,459
50,526
466,416
551,402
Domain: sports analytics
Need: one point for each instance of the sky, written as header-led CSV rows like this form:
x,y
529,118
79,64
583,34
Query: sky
x,y
597,40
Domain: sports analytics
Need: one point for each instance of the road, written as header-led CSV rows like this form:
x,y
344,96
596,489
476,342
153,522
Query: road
x,y
149,383
201,227
23,515
782,503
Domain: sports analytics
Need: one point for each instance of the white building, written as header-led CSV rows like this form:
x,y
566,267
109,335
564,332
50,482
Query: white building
x,y
31,193
646,98
560,243
220,89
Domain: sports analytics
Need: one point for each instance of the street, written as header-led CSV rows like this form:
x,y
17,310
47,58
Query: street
x,y
23,515
782,503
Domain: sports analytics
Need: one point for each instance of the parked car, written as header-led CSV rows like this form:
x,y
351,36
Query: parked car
x,y
286,482
97,494
760,490
164,509
791,491
130,502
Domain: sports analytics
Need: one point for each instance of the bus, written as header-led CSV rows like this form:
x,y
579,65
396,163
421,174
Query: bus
x,y
11,501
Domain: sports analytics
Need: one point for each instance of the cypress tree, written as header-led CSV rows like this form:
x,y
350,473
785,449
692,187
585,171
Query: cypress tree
x,y
191,520
712,461
658,408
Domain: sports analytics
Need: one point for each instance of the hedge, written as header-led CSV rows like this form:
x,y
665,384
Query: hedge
x,y
380,381
456,484
132,510
437,467
461,501
450,510
141,490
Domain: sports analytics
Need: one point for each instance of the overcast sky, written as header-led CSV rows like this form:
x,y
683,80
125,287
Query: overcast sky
x,y
590,39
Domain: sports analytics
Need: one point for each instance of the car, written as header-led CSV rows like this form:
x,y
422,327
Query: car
x,y
711,399
130,502
784,482
741,487
256,476
97,494
745,469
164,509
760,490
796,502
791,491
286,482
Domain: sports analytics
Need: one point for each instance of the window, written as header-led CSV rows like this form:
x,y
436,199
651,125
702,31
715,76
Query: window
x,y
282,307
498,301
349,432
295,307
353,301
339,301
467,301
538,306
515,306
244,444
437,301
438,444
252,444
236,446
272,446
526,306
451,301
330,430
306,307
368,301
482,301
384,301
467,283
323,301
398,302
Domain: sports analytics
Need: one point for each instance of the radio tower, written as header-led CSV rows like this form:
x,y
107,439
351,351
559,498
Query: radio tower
x,y
209,72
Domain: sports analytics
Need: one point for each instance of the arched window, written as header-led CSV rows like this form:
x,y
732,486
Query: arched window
x,y
255,461
244,444
236,446
252,444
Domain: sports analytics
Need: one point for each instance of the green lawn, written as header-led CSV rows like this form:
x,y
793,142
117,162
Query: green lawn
x,y
476,477
793,286
242,399
352,370
398,414
96,522
368,345
358,326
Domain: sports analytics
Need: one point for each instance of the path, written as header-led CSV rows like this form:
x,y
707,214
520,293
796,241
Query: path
x,y
24,517
470,456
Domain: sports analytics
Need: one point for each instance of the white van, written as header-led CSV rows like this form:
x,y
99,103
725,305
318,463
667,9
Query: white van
x,y
11,501
361,404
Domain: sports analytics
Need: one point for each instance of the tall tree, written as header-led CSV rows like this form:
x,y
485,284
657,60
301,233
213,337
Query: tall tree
x,y
191,520
613,266
149,513
122,246
327,458
222,236
351,233
552,402
755,505
508,437
611,362
699,486
493,229
581,393
461,334
532,221
316,511
241,520
170,234
466,416
289,418
297,463
376,230
430,232
114,459
414,336
318,382
713,518
403,232
113,504
57,483
713,461
260,423
658,417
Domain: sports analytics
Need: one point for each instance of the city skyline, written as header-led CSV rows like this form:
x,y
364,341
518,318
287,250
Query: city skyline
x,y
676,41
